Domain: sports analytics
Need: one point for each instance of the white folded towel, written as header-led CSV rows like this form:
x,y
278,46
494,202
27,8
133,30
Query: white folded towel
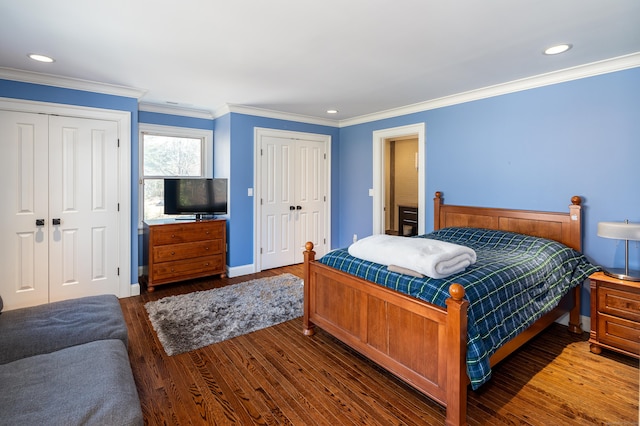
x,y
433,258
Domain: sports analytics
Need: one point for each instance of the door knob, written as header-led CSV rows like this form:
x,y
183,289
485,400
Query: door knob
x,y
39,222
298,207
292,207
56,221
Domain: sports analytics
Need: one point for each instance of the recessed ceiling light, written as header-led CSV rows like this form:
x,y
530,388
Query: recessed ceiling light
x,y
558,48
40,58
332,111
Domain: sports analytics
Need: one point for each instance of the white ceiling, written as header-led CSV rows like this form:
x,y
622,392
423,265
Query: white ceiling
x,y
304,57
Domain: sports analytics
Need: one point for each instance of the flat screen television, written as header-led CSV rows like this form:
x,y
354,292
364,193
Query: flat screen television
x,y
195,196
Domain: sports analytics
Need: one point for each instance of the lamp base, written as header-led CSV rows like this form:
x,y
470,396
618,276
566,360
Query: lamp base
x,y
622,274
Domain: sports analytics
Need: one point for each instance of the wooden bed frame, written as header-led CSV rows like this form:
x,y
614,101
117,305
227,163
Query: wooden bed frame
x,y
421,343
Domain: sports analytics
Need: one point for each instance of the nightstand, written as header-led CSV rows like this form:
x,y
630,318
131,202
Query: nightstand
x,y
615,315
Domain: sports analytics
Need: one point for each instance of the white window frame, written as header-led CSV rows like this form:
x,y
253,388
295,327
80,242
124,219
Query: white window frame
x,y
172,131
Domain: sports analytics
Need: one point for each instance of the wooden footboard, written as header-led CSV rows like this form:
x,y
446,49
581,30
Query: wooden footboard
x,y
423,344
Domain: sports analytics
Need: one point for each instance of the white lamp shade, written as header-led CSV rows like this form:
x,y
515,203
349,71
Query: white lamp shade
x,y
619,230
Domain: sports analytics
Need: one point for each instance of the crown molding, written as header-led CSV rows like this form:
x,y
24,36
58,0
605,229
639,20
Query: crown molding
x,y
583,71
279,115
173,110
69,83
239,109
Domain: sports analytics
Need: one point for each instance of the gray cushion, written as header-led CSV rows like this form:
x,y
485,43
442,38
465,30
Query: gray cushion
x,y
89,384
47,328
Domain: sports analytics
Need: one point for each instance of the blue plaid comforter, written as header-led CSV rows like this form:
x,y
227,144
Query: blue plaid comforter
x,y
516,280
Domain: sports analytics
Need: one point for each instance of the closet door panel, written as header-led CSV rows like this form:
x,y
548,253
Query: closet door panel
x,y
24,170
311,197
83,177
277,181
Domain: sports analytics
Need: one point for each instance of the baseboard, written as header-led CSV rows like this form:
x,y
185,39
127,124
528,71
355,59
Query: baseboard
x,y
237,271
135,289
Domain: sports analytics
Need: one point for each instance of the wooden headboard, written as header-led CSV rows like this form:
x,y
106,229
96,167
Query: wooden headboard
x,y
563,227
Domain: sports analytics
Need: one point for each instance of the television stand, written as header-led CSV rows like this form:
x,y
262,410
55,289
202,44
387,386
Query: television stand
x,y
179,251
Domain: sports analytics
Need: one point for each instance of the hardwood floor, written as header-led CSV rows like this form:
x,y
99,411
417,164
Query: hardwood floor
x,y
278,376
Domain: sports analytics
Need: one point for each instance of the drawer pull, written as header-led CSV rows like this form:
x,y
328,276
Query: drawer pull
x,y
206,264
173,235
206,248
173,253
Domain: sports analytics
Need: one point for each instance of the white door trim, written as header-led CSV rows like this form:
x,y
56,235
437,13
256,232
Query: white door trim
x,y
259,132
123,118
379,136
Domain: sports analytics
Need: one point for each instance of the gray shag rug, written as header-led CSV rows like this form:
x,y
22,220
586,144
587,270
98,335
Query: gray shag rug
x,y
194,320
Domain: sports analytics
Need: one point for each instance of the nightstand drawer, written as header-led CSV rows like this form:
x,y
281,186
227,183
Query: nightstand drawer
x,y
623,304
619,332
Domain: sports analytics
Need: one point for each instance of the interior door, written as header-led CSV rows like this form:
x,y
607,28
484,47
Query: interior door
x,y
278,203
83,207
401,183
293,199
310,191
59,214
24,209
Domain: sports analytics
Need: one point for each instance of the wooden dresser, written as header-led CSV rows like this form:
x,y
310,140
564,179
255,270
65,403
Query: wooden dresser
x,y
615,315
181,250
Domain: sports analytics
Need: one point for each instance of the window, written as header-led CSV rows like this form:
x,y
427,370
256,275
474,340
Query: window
x,y
170,152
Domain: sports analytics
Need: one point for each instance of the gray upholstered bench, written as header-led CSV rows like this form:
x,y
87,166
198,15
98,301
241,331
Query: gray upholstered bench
x,y
67,363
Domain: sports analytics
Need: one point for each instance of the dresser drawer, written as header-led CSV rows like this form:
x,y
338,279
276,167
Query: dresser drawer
x,y
623,304
185,233
185,269
171,252
619,332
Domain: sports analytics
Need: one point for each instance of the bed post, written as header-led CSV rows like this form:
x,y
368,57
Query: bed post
x,y
437,202
309,256
456,391
575,227
575,222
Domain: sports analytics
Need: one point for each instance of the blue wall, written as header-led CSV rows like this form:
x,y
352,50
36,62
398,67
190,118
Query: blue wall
x,y
527,150
234,136
174,120
240,235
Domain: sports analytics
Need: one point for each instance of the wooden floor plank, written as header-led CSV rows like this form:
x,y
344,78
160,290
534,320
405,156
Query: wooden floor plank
x,y
349,375
278,376
295,385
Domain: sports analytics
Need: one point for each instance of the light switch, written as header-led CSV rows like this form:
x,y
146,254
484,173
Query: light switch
x,y
250,192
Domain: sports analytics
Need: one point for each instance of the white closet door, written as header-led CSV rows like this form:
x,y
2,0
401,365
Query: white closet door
x,y
293,199
310,197
83,207
24,176
278,202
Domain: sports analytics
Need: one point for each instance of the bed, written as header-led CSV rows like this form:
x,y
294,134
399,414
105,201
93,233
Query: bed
x,y
426,344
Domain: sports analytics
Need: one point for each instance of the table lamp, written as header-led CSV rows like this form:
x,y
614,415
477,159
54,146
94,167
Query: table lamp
x,y
621,231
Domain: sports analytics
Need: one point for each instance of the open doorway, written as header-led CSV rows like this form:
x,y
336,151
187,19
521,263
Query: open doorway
x,y
381,152
401,186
